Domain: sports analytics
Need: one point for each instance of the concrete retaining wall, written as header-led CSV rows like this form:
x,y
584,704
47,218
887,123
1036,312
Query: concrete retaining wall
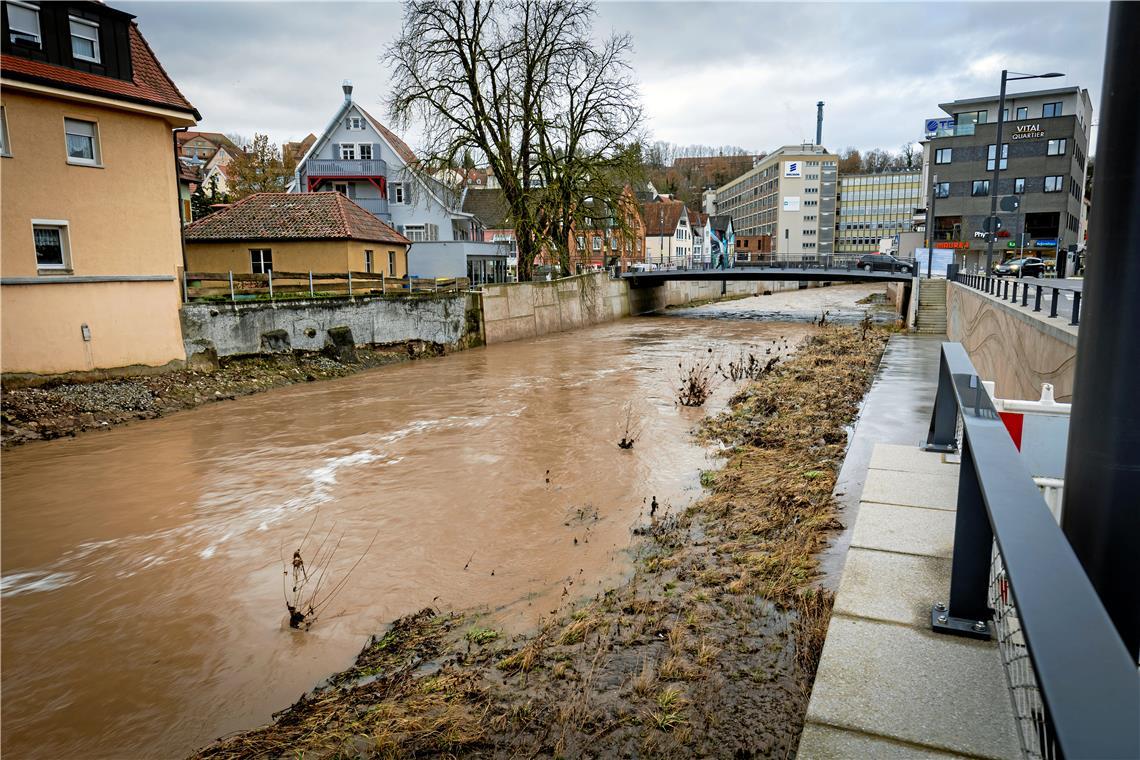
x,y
242,328
1017,349
512,311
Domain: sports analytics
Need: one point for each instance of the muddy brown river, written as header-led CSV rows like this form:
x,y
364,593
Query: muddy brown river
x,y
143,611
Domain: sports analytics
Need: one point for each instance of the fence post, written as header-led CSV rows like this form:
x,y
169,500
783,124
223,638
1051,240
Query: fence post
x,y
942,436
270,284
350,283
311,294
1076,320
968,611
1024,295
232,299
1037,300
382,286
1053,304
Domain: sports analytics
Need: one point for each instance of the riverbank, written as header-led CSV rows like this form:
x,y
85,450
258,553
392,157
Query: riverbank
x,y
710,648
59,409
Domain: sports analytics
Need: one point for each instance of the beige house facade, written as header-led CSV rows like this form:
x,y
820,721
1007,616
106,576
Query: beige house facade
x,y
90,214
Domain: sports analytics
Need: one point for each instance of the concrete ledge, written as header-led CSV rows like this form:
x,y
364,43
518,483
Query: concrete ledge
x,y
1057,327
932,491
906,530
822,742
890,587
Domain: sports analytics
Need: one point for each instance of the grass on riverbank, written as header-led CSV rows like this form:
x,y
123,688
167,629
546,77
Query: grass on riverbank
x,y
710,648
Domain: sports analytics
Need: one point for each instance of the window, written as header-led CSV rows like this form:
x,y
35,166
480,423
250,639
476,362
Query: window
x,y
990,156
971,117
581,243
82,145
367,260
5,149
1056,147
980,187
396,192
348,151
354,122
23,23
1050,109
942,190
415,233
596,243
942,155
341,187
1019,185
84,40
261,260
51,244
1054,184
365,151
1022,113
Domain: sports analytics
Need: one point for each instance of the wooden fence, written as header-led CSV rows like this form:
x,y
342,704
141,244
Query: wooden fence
x,y
244,286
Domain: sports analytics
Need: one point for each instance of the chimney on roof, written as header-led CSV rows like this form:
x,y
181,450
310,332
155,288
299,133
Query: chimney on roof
x,y
346,85
819,123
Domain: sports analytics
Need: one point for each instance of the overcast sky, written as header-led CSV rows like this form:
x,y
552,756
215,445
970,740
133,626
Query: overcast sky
x,y
744,73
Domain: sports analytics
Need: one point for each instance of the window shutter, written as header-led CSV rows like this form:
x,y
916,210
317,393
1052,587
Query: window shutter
x,y
348,123
336,150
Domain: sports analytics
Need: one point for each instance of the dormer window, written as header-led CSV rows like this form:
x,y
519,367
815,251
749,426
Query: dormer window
x,y
355,122
23,23
84,40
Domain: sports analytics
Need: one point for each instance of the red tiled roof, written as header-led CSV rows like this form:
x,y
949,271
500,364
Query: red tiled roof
x,y
150,84
661,217
293,216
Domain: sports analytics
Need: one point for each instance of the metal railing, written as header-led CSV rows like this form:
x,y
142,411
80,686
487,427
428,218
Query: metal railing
x,y
1073,684
346,167
377,206
276,286
846,261
1012,288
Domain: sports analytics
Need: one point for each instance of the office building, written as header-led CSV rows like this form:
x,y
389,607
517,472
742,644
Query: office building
x,y
875,206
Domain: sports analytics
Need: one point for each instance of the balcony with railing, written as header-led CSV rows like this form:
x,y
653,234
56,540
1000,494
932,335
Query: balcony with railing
x,y
338,167
376,206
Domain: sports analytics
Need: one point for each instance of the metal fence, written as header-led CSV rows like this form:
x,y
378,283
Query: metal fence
x,y
1009,289
276,286
846,261
1073,684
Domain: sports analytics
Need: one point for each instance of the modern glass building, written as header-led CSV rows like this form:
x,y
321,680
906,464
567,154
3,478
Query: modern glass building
x,y
875,206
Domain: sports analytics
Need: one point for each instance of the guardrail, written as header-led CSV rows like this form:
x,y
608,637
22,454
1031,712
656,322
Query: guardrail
x,y
276,286
1007,290
1073,682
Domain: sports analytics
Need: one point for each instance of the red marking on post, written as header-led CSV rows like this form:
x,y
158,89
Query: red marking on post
x,y
1014,423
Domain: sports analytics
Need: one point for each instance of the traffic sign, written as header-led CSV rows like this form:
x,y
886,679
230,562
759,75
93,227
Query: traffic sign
x,y
1010,203
991,224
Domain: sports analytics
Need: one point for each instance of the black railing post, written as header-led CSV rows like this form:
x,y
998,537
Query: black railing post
x,y
1053,303
1076,320
1037,300
968,612
943,434
1024,294
1101,515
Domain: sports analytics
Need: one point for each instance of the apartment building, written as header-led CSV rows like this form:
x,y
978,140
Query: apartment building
x,y
90,219
789,195
668,236
874,206
1044,157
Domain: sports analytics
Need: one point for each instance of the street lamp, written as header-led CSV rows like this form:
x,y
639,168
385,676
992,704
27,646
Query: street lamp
x,y
992,233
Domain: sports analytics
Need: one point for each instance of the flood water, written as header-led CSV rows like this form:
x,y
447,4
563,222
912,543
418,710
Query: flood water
x,y
143,609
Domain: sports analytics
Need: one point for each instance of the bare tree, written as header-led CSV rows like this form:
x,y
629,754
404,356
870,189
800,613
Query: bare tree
x,y
522,85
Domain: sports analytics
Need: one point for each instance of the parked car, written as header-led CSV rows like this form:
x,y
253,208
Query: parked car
x,y
872,262
1027,267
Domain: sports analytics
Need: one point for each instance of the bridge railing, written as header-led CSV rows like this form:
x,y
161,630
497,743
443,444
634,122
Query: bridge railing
x,y
846,261
1073,684
1009,289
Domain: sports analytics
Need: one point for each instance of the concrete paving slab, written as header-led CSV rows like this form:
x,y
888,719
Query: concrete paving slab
x,y
897,588
908,530
930,490
915,686
819,742
889,456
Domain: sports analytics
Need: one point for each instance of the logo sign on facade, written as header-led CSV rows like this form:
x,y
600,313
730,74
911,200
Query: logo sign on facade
x,y
1050,243
951,244
980,234
1011,244
939,126
792,203
1027,132
792,169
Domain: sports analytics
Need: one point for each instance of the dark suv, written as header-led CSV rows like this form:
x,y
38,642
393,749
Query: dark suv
x,y
1028,267
872,262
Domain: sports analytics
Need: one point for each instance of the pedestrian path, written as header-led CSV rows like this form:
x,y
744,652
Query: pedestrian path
x,y
887,686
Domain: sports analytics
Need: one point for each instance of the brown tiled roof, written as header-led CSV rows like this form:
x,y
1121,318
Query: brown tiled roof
x,y
293,216
397,144
150,84
489,206
661,217
217,138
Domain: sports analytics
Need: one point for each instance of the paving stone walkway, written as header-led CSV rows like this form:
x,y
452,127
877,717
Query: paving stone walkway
x,y
887,686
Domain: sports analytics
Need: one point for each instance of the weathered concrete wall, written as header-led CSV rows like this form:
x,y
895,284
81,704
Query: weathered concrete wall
x,y
1016,348
513,311
236,329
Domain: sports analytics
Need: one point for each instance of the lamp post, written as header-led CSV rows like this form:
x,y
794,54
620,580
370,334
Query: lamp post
x,y
992,233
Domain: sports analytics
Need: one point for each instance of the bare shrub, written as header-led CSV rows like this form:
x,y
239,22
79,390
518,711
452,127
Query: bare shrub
x,y
696,383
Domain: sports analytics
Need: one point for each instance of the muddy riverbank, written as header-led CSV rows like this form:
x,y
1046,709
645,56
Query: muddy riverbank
x,y
64,408
709,648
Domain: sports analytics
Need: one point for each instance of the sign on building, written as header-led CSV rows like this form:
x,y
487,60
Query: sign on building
x,y
939,127
792,169
791,203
